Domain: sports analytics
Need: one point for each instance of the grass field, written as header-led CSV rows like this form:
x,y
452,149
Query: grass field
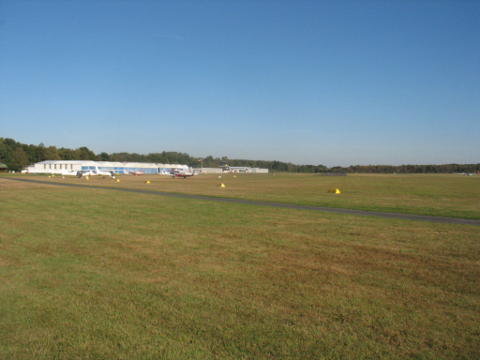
x,y
444,195
98,274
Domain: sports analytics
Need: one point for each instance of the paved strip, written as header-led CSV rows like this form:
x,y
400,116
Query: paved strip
x,y
435,219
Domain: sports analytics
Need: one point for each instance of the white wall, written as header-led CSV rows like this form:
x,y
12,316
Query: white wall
x,y
259,171
210,170
70,167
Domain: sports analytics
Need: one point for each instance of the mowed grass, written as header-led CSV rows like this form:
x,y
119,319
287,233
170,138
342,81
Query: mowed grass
x,y
443,194
98,274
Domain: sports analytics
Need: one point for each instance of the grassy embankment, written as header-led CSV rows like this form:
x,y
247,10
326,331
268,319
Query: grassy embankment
x,y
91,274
442,195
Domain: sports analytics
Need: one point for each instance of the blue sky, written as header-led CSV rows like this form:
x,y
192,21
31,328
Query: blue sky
x,y
320,82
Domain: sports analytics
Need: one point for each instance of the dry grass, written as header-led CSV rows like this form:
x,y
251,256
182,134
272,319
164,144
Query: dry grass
x,y
9,185
91,274
447,195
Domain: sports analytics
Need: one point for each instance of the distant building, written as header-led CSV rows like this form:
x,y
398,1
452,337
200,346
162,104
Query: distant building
x,y
3,167
205,170
245,170
233,169
71,167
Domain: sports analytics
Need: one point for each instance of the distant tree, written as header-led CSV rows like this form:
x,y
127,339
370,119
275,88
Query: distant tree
x,y
66,154
209,161
84,153
19,159
5,152
51,153
104,156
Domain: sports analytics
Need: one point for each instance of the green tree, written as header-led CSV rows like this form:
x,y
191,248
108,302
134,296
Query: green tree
x,y
84,153
19,159
104,156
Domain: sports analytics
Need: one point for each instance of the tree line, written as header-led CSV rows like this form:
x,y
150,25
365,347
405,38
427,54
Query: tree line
x,y
17,156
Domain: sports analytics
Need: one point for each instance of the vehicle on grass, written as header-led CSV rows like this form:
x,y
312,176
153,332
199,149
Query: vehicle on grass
x,y
182,173
81,173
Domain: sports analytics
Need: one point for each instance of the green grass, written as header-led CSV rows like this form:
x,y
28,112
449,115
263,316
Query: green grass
x,y
443,194
91,274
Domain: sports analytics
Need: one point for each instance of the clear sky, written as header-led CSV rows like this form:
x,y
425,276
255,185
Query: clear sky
x,y
320,82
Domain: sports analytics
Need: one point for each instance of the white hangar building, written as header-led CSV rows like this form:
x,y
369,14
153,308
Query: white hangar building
x,y
232,169
71,167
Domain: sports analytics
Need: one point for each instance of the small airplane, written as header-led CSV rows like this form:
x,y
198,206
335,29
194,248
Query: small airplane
x,y
182,173
94,172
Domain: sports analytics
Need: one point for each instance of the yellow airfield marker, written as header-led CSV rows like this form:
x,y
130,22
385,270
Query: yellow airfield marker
x,y
222,185
147,182
335,191
234,176
117,180
219,176
87,177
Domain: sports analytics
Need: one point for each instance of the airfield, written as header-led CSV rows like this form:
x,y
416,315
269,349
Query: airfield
x,y
94,273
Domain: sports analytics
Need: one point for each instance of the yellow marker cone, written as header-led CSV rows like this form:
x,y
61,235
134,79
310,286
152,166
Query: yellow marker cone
x,y
118,180
222,185
147,182
335,191
234,176
87,177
